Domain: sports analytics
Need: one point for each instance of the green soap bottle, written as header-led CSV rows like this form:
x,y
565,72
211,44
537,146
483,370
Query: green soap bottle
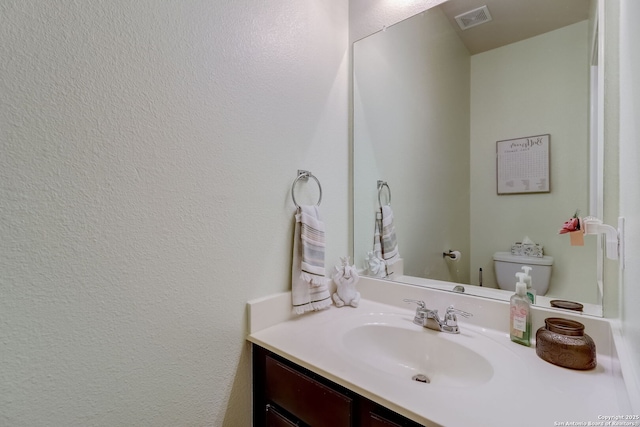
x,y
520,314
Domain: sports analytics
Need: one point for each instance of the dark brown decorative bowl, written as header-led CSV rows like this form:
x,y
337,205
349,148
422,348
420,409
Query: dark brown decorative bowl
x,y
564,343
567,305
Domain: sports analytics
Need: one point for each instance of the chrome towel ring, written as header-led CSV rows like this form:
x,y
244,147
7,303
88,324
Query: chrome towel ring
x,y
305,175
381,185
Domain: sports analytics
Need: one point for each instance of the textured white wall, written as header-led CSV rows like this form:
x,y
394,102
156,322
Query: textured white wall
x,y
147,153
543,83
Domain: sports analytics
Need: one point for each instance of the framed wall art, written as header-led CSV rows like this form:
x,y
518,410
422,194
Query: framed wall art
x,y
522,165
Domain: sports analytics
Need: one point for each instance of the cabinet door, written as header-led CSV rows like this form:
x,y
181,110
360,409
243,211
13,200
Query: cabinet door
x,y
305,398
276,419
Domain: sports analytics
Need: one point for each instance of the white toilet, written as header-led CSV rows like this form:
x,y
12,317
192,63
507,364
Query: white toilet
x,y
507,265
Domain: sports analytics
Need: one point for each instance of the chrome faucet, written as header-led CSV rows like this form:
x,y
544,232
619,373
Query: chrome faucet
x,y
430,319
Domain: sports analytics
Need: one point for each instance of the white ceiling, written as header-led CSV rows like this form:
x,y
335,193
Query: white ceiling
x,y
514,20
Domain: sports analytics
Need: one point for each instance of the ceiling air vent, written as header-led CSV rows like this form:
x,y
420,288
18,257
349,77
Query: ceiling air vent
x,y
473,17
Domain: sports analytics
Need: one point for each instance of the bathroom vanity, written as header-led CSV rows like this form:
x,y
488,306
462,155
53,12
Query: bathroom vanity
x,y
286,394
356,365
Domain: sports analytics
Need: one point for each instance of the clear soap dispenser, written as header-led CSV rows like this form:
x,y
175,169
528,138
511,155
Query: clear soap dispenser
x,y
520,314
531,293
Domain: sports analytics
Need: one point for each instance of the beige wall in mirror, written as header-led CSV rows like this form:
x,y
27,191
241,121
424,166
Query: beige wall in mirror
x,y
427,115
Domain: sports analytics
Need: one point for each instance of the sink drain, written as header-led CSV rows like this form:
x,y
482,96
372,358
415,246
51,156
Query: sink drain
x,y
421,378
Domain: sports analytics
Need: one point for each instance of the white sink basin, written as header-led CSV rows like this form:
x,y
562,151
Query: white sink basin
x,y
411,350
390,344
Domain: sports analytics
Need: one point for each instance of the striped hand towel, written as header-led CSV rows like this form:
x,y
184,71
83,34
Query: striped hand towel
x,y
389,244
309,286
377,237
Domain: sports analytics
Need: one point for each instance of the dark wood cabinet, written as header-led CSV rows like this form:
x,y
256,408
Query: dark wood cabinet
x,y
276,419
285,394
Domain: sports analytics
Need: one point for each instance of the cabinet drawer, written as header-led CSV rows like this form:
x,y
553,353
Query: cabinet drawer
x,y
378,421
305,398
276,419
374,415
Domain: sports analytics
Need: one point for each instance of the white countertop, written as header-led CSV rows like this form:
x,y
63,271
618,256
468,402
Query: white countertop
x,y
527,392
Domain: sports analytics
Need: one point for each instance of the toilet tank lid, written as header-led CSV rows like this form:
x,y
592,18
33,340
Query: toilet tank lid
x,y
521,259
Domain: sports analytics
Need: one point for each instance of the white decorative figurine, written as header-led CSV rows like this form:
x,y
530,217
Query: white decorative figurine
x,y
346,276
375,265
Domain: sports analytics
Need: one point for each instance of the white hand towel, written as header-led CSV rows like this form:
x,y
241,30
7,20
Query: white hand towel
x,y
309,286
389,243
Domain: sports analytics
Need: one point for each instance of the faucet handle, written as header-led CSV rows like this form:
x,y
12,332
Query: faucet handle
x,y
421,304
450,318
421,313
452,311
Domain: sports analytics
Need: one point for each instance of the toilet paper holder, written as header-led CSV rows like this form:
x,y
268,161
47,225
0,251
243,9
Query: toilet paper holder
x,y
453,255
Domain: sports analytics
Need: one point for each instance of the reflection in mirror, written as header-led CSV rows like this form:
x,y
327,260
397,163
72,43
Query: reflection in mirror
x,y
430,103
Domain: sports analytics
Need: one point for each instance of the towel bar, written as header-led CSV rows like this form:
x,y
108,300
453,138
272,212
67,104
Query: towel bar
x,y
382,184
305,175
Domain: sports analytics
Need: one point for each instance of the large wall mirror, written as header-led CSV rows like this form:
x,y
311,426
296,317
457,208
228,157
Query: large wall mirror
x,y
432,100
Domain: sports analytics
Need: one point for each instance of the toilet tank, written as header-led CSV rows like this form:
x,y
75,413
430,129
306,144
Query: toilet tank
x,y
507,265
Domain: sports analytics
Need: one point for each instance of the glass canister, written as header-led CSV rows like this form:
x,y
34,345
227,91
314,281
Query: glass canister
x,y
564,343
